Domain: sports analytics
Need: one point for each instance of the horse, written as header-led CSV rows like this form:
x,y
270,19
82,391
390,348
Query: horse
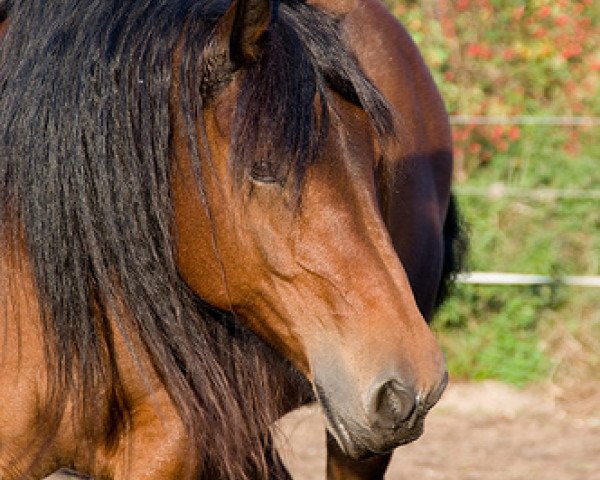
x,y
210,214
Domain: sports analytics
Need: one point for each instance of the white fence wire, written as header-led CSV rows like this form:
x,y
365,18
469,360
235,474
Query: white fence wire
x,y
557,121
502,278
499,190
543,194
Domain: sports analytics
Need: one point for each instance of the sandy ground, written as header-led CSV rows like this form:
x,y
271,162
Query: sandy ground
x,y
478,431
485,431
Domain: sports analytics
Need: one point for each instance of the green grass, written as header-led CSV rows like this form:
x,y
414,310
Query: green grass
x,y
520,334
507,332
492,332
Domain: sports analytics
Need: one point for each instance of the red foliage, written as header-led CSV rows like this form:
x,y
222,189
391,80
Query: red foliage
x,y
477,50
508,59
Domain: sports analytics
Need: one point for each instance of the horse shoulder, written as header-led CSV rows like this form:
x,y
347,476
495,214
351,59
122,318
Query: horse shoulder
x,y
153,443
156,431
22,362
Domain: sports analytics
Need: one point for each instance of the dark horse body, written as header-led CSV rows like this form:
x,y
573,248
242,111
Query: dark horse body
x,y
210,215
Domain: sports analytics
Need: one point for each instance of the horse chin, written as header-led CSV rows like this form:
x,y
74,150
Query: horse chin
x,y
361,443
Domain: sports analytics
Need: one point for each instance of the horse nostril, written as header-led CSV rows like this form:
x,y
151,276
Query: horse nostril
x,y
435,394
392,404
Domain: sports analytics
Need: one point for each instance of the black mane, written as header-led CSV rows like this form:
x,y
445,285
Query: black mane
x,y
85,157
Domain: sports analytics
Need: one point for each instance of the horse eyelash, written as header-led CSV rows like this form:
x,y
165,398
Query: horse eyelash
x,y
265,172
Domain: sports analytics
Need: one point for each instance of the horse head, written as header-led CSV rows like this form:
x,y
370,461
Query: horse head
x,y
278,221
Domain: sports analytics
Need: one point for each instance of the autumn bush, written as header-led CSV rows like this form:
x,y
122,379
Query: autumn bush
x,y
506,58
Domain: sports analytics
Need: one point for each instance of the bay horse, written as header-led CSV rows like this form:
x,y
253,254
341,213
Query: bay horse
x,y
211,213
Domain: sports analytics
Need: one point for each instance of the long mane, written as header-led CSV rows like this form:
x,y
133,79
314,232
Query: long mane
x,y
85,165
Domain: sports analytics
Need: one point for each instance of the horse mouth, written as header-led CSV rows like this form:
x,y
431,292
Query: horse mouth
x,y
361,442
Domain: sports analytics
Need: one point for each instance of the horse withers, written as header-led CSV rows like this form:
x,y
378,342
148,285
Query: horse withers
x,y
203,206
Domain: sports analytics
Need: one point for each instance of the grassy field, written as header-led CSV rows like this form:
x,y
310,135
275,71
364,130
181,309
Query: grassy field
x,y
543,59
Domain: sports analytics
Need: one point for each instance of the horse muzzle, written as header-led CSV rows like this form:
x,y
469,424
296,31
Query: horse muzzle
x,y
390,414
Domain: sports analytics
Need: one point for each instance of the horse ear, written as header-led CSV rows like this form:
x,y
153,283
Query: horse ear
x,y
244,27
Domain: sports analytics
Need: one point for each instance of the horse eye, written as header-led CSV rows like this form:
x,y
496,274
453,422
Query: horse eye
x,y
265,172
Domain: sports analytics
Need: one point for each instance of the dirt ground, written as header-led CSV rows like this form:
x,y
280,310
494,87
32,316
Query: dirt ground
x,y
485,431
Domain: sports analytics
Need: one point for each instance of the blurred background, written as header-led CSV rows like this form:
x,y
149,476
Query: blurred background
x,y
521,81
